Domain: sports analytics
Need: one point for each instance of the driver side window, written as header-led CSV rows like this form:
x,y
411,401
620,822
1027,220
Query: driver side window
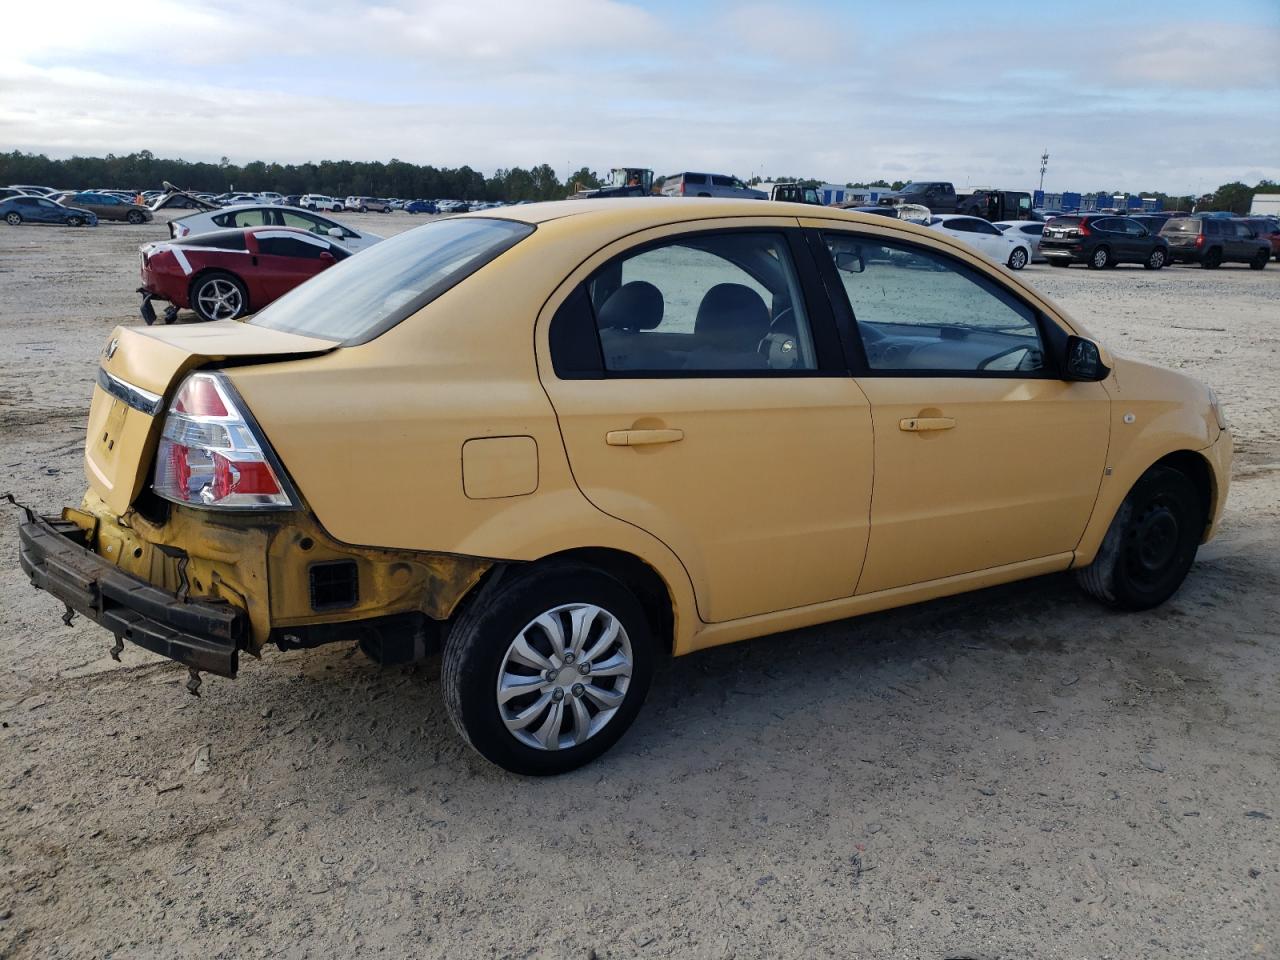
x,y
921,312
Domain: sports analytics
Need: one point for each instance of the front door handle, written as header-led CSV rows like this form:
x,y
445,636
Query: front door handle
x,y
921,424
641,438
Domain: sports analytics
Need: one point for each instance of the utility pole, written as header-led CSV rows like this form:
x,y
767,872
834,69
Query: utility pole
x,y
1044,165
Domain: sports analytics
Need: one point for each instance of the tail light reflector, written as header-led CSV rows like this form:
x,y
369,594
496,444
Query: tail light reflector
x,y
1083,228
211,455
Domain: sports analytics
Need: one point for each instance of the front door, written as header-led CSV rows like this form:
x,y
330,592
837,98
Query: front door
x,y
284,260
716,413
984,457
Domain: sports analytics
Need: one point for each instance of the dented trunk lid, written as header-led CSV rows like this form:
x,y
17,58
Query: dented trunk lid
x,y
139,369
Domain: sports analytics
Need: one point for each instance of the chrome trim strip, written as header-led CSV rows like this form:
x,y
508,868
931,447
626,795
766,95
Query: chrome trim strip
x,y
144,400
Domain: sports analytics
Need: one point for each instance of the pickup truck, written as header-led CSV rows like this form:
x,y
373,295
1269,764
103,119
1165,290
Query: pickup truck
x,y
938,195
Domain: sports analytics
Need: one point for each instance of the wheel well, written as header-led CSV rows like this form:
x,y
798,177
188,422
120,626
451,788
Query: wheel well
x,y
639,577
1197,469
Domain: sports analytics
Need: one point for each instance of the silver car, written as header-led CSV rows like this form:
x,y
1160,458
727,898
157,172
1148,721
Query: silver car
x,y
1029,230
269,215
709,185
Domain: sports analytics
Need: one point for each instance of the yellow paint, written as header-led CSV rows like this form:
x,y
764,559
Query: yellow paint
x,y
448,444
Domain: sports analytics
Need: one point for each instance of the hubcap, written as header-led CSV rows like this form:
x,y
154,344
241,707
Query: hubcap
x,y
564,676
219,299
1100,258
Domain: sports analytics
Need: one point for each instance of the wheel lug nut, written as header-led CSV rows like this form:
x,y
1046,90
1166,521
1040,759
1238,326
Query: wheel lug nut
x,y
568,658
579,689
550,674
557,695
584,668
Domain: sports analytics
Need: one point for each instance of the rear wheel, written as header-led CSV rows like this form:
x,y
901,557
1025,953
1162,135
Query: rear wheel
x,y
13,218
1017,259
74,221
1212,260
1156,260
219,296
1151,542
1259,262
547,668
1100,258
135,217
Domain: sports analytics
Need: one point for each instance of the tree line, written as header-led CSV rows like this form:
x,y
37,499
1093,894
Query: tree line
x,y
339,178
397,178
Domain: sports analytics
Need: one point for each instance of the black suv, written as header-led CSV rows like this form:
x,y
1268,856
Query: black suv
x,y
1101,240
938,195
1213,241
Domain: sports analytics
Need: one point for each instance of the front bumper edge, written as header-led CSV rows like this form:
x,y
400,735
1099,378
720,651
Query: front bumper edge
x,y
202,635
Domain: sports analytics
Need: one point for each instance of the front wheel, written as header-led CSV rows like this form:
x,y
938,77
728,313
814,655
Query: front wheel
x,y
547,668
219,296
1150,544
13,218
1017,259
1156,260
135,217
1100,258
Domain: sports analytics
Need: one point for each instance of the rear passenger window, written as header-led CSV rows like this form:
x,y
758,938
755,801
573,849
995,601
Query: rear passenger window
x,y
713,303
695,178
720,181
251,218
919,311
290,247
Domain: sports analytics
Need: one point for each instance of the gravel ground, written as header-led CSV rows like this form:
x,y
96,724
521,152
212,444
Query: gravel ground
x,y
1009,774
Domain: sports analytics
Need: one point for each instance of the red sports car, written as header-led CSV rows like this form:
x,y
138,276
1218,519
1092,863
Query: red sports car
x,y
228,273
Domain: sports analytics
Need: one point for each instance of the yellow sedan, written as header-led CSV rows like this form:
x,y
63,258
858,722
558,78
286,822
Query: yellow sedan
x,y
560,440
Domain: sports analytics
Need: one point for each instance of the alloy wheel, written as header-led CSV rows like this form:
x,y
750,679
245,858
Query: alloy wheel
x,y
564,676
219,299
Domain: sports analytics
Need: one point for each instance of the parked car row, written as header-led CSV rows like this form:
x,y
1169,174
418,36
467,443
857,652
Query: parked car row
x,y
1106,240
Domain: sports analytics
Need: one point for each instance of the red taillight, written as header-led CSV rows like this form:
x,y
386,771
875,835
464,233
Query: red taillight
x,y
1083,228
682,186
1200,241
211,456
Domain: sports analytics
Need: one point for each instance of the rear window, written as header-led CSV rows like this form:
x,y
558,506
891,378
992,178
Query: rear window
x,y
365,296
219,240
1181,226
1064,222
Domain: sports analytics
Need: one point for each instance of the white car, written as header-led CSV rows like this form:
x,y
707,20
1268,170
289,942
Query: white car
x,y
1012,251
1030,229
318,201
270,196
270,215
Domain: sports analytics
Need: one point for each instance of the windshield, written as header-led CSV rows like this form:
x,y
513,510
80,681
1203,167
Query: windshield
x,y
914,188
367,295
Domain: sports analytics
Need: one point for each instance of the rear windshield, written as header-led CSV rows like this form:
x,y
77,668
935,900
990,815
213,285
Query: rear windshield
x,y
366,295
1181,226
219,240
1064,222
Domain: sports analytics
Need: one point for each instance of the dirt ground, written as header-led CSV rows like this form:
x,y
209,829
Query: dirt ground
x,y
1017,773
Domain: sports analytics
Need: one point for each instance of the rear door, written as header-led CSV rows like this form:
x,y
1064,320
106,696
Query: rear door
x,y
984,457
702,396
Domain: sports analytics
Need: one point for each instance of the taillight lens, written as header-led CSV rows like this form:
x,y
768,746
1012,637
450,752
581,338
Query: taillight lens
x,y
1200,241
211,456
1083,228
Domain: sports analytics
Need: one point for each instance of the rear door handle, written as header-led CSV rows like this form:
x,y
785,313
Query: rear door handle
x,y
921,424
641,438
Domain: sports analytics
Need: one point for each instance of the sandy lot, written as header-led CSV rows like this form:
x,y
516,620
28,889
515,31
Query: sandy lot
x,y
1017,773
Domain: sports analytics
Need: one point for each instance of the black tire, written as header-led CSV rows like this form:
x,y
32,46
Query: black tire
x,y
1259,262
135,217
478,642
1212,260
75,221
1100,258
1018,259
363,209
1150,544
1156,260
199,285
13,218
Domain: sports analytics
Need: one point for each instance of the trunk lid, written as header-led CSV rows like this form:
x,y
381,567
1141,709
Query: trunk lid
x,y
139,368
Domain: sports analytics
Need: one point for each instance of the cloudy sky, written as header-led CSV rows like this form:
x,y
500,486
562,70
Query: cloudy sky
x,y
1176,96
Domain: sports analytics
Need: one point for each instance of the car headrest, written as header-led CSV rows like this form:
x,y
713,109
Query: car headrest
x,y
731,309
636,305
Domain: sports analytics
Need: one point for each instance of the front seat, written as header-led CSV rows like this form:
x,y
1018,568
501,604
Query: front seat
x,y
633,308
732,320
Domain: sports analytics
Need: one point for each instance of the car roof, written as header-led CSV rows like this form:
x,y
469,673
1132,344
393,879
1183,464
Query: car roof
x,y
656,211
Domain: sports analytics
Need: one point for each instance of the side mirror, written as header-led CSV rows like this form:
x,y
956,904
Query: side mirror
x,y
1084,361
850,261
335,232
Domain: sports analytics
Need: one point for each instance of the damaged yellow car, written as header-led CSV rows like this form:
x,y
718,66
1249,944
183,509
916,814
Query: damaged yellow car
x,y
560,440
